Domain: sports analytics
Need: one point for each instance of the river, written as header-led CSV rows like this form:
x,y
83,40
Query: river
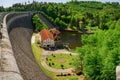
x,y
72,39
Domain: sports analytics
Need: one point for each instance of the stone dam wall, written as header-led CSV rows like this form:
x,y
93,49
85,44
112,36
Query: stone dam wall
x,y
17,61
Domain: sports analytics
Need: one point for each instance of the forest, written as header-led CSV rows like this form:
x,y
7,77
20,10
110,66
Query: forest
x,y
100,53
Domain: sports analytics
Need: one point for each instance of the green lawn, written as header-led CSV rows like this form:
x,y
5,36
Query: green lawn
x,y
61,61
37,51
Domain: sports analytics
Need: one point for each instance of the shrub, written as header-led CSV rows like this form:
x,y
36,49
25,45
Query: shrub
x,y
38,23
50,64
62,66
53,64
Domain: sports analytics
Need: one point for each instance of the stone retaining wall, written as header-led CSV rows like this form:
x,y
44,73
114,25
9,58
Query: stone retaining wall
x,y
8,66
17,62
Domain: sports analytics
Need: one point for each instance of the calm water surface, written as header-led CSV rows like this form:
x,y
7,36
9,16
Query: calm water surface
x,y
72,39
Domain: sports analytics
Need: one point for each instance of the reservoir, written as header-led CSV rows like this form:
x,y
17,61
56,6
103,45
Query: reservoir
x,y
71,38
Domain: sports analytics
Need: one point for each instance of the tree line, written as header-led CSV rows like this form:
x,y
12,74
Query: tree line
x,y
101,53
38,23
76,15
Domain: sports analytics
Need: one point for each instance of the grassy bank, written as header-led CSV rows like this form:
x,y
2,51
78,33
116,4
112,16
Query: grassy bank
x,y
37,51
61,61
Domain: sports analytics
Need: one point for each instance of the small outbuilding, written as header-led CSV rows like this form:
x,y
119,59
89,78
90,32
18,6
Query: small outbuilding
x,y
47,39
55,33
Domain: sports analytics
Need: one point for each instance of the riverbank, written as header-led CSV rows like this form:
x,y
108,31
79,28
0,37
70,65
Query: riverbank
x,y
51,25
79,31
39,52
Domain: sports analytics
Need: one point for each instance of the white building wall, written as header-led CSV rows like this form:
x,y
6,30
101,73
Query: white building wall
x,y
39,37
48,42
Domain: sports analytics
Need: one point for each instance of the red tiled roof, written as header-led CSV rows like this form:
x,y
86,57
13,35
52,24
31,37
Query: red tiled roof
x,y
54,31
45,34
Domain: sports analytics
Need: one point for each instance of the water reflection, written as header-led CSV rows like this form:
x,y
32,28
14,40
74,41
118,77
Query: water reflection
x,y
72,39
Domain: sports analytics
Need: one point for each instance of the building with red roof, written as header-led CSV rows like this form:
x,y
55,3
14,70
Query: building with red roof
x,y
55,33
47,39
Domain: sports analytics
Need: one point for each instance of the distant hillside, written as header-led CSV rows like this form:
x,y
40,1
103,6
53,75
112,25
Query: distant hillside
x,y
76,15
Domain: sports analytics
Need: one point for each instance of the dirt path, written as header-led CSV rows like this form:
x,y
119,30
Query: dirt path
x,y
48,53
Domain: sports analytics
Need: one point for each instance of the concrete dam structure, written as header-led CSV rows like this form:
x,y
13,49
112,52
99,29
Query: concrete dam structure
x,y
17,62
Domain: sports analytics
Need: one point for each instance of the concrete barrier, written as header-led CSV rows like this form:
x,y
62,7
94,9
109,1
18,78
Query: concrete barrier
x,y
118,73
8,66
17,62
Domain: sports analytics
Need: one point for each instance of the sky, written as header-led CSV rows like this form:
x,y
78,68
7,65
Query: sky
x,y
7,3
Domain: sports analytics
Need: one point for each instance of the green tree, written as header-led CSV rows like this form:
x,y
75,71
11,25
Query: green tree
x,y
38,23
